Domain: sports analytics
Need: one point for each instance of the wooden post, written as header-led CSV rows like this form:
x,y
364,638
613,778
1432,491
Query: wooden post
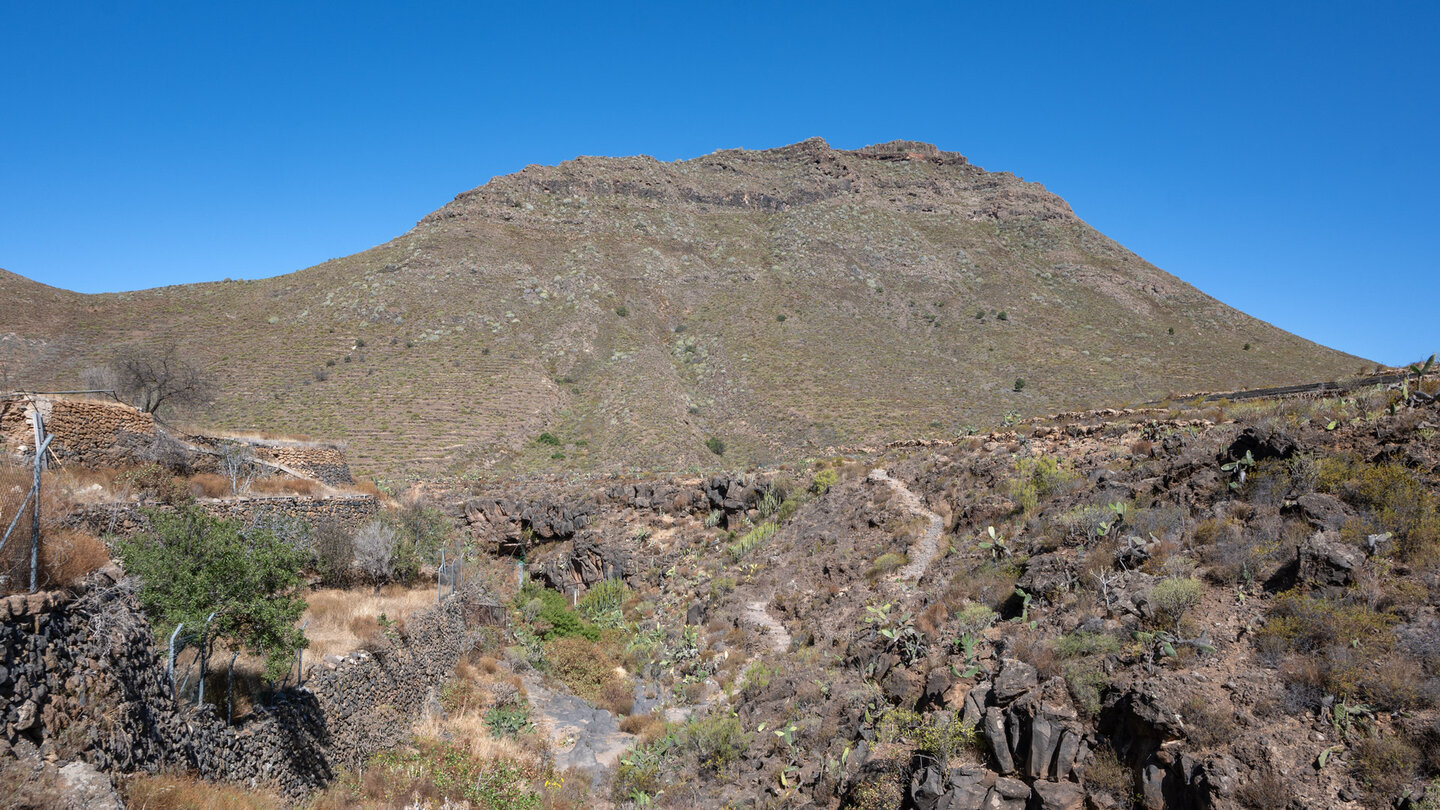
x,y
35,504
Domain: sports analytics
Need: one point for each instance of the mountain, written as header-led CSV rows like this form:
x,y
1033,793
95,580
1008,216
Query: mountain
x,y
785,302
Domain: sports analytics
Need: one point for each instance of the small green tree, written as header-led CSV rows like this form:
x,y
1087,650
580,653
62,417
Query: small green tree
x,y
716,445
191,564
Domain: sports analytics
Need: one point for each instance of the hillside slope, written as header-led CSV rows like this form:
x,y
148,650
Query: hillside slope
x,y
784,301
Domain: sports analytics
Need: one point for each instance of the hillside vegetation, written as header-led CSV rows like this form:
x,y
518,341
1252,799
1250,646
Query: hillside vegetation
x,y
645,315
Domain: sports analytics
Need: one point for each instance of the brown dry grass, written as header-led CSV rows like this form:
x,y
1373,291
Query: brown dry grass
x,y
341,621
65,554
185,792
281,485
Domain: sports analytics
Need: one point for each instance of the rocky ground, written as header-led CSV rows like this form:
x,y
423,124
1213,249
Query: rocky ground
x,y
1220,606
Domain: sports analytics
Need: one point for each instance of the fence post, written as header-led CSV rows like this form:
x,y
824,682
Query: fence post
x,y
170,659
204,658
440,579
35,504
300,658
230,691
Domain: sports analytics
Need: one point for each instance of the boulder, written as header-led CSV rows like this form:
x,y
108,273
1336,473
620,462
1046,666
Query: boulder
x,y
1015,678
968,787
85,788
926,788
1322,511
1325,561
995,736
1262,443
1059,796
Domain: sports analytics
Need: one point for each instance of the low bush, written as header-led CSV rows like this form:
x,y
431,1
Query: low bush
x,y
823,480
718,740
1080,644
1384,763
1175,597
442,771
1391,498
886,563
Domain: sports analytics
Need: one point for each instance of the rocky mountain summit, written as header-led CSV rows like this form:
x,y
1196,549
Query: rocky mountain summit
x,y
644,315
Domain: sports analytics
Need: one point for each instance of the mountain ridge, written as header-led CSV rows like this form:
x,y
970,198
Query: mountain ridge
x,y
784,301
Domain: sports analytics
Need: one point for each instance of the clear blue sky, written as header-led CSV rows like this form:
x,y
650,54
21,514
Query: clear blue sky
x,y
1280,156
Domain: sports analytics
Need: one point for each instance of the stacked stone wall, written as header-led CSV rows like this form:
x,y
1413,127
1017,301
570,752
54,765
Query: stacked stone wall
x,y
125,519
325,464
83,679
88,432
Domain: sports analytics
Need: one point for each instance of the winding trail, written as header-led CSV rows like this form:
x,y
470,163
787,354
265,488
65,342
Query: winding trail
x,y
924,551
756,614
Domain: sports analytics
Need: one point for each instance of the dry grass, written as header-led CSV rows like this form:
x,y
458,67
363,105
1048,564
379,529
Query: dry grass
x,y
282,485
341,621
65,554
185,792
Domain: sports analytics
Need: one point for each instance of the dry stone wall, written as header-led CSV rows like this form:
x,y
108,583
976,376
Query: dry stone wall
x,y
89,432
82,679
125,519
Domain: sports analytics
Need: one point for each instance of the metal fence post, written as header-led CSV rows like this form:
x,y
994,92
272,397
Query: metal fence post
x,y
230,691
300,658
170,659
204,658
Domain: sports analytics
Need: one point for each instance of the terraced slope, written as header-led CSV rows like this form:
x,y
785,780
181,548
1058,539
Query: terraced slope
x,y
785,301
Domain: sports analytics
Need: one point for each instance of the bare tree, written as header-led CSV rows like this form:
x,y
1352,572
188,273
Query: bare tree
x,y
155,377
375,551
236,465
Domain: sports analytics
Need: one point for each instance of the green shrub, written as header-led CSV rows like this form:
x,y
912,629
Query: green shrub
x,y
1019,383
756,677
508,719
974,617
548,438
190,564
1302,623
1086,682
823,480
554,611
1002,316
622,311
1174,597
1391,497
716,445
718,740
422,531
1080,644
886,563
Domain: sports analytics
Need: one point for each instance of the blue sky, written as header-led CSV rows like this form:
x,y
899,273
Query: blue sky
x,y
1280,156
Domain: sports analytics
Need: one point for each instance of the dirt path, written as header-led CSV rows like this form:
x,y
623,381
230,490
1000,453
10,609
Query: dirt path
x,y
756,614
924,551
